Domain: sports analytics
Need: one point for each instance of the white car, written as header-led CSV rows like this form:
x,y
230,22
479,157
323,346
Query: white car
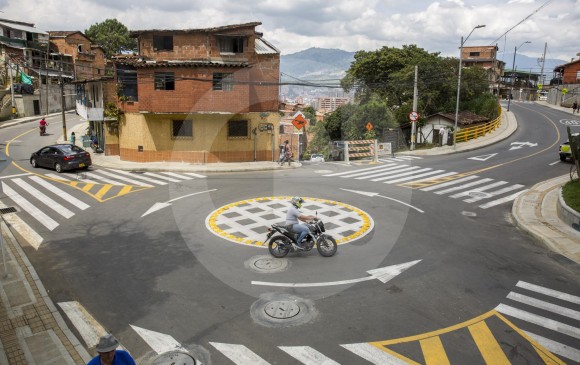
x,y
317,158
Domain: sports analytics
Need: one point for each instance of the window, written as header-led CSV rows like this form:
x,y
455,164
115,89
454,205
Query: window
x,y
223,81
232,44
473,54
182,129
163,43
164,81
127,83
238,129
577,75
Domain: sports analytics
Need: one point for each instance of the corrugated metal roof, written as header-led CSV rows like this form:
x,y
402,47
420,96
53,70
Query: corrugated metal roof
x,y
263,47
137,33
22,27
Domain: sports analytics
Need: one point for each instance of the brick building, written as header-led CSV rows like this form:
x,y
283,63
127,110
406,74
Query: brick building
x,y
88,60
486,57
198,96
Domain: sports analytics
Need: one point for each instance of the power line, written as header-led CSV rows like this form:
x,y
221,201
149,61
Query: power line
x,y
521,21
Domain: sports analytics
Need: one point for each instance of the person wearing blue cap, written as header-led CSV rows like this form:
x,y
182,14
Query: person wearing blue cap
x,y
108,353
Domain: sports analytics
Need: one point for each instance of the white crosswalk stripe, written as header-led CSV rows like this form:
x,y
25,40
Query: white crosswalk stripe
x,y
542,307
63,195
465,187
307,355
239,354
30,208
49,202
148,179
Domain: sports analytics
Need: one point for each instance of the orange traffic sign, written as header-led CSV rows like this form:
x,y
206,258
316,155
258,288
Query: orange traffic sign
x,y
299,121
369,126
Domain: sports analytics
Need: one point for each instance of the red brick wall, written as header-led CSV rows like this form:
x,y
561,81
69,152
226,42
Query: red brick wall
x,y
266,69
86,63
571,73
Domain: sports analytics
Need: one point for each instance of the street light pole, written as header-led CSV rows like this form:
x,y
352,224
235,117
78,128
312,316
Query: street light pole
x,y
513,75
459,84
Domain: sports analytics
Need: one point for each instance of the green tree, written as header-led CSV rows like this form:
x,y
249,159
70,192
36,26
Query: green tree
x,y
113,36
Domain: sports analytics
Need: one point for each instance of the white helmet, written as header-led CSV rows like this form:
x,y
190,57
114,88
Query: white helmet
x,y
297,201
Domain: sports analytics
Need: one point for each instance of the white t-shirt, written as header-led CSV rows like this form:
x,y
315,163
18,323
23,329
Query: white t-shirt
x,y
292,215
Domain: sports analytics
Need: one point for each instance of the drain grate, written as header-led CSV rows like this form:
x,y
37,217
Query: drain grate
x,y
8,210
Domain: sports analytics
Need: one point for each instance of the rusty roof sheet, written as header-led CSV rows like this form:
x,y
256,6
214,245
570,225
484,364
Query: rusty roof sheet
x,y
137,33
140,62
464,117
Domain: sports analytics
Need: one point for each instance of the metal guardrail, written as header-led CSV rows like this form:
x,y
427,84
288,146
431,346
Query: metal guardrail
x,y
465,134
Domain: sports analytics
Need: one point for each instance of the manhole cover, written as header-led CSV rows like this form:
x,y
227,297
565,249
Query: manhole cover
x,y
478,194
174,358
282,309
267,264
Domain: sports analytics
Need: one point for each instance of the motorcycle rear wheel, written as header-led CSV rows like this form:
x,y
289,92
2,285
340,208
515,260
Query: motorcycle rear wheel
x,y
278,246
326,245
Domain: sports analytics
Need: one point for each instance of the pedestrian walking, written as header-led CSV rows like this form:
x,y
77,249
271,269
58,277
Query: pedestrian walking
x,y
575,108
283,152
72,138
108,353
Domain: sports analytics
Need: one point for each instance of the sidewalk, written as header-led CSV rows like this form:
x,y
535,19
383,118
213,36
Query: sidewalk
x,y
32,331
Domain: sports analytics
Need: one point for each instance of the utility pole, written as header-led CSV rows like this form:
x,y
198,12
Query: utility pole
x,y
46,78
11,87
415,97
62,101
543,63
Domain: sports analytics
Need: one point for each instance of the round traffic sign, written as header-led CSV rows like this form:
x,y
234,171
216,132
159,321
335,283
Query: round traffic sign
x,y
413,116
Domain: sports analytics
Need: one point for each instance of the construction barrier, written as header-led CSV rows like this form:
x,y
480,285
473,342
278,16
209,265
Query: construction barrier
x,y
361,148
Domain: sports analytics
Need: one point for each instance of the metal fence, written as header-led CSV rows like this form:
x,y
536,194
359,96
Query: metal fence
x,y
465,134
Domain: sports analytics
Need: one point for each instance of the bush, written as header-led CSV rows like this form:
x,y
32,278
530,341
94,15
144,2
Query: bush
x,y
571,194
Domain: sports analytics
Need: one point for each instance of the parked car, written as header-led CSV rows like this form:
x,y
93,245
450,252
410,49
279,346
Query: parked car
x,y
316,157
564,151
61,157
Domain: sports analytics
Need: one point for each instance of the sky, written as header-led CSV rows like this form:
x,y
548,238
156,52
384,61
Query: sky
x,y
350,25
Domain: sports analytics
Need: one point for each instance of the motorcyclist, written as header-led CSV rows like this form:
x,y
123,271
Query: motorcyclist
x,y
42,125
293,218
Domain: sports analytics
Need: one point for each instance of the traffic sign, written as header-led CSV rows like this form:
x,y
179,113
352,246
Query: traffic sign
x,y
299,121
413,116
369,126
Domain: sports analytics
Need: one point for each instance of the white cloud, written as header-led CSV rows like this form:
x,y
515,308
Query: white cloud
x,y
295,25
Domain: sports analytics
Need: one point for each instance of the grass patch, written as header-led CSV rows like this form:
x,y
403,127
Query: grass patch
x,y
571,194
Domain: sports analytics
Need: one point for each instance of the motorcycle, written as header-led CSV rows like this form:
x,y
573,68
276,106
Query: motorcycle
x,y
42,130
280,240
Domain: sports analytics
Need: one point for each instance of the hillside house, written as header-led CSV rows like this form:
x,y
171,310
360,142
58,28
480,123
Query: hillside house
x,y
197,96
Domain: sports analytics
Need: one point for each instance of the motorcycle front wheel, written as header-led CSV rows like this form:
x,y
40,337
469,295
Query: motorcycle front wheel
x,y
326,245
278,247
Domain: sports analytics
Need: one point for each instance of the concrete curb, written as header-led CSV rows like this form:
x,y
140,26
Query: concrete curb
x,y
567,214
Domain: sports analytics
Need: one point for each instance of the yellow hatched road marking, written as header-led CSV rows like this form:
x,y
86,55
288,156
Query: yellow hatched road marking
x,y
126,190
492,353
103,191
487,344
87,187
433,351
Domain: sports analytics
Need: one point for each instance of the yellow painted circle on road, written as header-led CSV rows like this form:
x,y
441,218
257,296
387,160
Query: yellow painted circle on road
x,y
247,221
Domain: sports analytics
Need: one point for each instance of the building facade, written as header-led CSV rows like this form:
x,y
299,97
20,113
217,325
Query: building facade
x,y
329,104
486,57
87,60
197,96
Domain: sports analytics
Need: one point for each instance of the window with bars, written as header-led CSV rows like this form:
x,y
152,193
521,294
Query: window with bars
x,y
223,81
182,129
238,129
164,81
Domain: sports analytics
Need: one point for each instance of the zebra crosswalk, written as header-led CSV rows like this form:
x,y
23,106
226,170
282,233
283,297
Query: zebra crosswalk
x,y
539,307
49,198
470,188
489,337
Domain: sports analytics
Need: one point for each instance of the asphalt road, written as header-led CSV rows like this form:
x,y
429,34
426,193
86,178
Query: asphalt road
x,y
190,269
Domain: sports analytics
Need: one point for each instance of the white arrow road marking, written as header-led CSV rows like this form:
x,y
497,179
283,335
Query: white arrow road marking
x,y
159,342
482,157
307,355
367,193
239,354
519,145
383,274
373,354
159,206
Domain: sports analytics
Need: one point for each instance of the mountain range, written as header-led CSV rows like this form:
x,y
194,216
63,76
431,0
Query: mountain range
x,y
325,65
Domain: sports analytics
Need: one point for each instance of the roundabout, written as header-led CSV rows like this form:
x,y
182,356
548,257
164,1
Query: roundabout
x,y
247,221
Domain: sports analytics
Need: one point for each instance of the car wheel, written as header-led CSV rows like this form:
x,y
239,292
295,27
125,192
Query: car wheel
x,y
58,167
34,163
562,157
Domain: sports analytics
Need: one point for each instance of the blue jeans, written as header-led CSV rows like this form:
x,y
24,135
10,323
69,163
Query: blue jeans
x,y
302,230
